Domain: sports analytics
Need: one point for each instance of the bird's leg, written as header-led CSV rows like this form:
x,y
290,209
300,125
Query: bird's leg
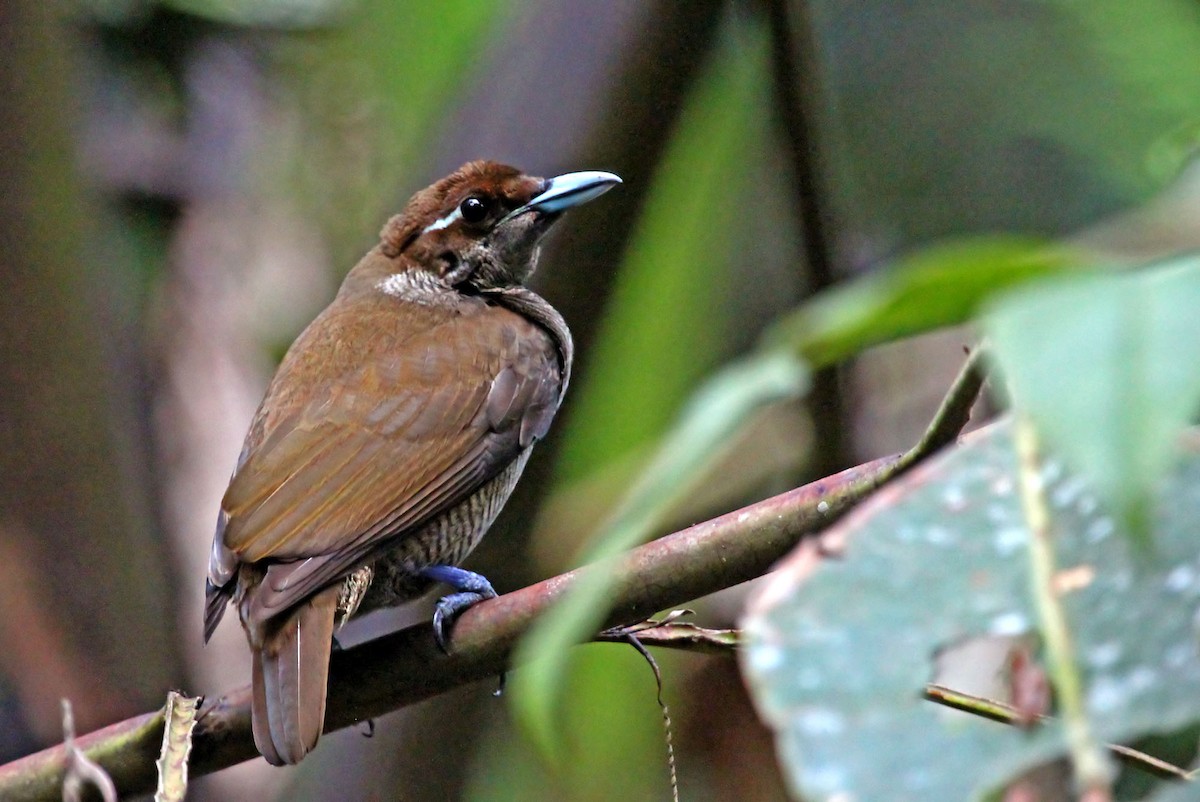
x,y
471,589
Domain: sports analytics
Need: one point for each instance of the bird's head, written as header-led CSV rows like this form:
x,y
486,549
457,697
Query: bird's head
x,y
483,223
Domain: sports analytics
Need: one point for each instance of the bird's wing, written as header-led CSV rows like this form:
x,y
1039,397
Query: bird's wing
x,y
407,429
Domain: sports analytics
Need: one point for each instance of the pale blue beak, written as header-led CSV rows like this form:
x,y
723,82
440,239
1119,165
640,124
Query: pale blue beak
x,y
564,191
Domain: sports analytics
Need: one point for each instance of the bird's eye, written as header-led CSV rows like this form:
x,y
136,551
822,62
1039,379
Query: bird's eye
x,y
473,209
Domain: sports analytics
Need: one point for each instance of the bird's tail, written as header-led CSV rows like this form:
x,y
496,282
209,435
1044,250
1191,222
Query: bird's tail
x,y
291,672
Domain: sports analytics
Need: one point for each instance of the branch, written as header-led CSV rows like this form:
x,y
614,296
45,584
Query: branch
x,y
407,667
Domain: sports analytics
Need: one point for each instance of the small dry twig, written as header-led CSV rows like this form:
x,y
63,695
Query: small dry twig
x,y
1007,714
669,632
81,770
633,640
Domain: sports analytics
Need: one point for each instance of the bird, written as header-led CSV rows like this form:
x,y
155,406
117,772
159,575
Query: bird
x,y
394,430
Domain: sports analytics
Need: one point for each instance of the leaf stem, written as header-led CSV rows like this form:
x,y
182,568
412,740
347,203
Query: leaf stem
x,y
1006,714
1093,770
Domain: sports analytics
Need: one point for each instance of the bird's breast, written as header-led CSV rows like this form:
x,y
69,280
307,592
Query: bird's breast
x,y
446,540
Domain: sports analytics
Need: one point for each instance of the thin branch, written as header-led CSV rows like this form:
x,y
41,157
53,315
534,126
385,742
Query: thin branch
x,y
406,667
81,772
955,411
969,703
1007,714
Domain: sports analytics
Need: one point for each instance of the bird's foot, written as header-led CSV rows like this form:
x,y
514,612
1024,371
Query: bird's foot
x,y
471,589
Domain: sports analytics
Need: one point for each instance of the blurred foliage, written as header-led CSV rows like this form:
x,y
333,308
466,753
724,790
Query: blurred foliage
x,y
665,324
939,286
978,115
272,13
611,729
1096,364
711,419
371,90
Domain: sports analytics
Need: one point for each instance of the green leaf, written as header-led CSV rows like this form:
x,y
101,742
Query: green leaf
x,y
1106,367
715,412
939,286
837,653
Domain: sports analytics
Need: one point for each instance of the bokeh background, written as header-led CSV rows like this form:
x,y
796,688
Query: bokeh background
x,y
184,183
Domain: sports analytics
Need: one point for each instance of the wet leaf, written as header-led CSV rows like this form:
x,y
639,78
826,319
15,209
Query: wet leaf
x,y
836,655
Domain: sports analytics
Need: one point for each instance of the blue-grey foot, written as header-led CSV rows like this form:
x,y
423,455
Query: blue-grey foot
x,y
470,587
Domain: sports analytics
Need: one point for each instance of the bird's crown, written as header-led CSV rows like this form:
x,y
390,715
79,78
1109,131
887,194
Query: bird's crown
x,y
484,221
465,203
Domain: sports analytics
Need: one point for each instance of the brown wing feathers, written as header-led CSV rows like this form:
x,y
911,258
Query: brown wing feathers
x,y
272,493
288,583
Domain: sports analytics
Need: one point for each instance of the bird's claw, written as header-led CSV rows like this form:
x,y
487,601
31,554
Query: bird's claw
x,y
448,609
471,589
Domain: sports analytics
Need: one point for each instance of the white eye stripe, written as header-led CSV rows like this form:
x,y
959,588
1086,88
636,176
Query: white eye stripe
x,y
438,225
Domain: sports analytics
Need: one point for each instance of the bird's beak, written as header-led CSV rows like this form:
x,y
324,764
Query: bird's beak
x,y
562,192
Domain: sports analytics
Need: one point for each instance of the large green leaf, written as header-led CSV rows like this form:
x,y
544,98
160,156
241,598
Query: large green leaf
x,y
1107,369
938,286
837,659
1178,792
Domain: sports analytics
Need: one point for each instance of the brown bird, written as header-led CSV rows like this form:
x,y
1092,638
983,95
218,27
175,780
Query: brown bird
x,y
392,434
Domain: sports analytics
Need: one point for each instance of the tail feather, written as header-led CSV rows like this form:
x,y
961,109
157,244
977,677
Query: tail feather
x,y
291,673
259,717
